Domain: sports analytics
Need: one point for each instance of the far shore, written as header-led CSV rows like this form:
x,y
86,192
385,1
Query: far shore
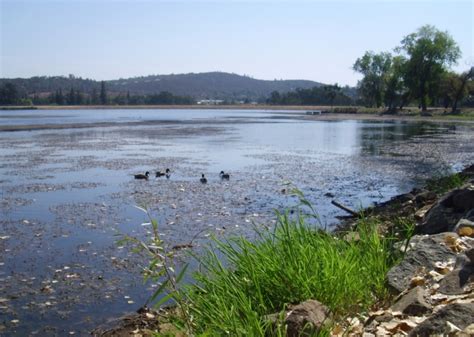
x,y
297,115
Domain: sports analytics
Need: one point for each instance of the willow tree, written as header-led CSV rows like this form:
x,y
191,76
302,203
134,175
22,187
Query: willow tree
x,y
429,54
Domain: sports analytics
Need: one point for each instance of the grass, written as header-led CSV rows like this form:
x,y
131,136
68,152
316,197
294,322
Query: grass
x,y
288,265
443,184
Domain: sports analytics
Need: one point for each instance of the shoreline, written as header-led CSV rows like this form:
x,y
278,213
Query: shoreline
x,y
324,117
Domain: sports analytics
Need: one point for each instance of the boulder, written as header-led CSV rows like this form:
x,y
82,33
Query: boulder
x,y
461,315
413,303
446,213
304,319
457,281
425,251
463,200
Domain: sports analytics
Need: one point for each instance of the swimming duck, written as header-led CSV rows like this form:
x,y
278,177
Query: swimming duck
x,y
161,174
142,176
225,176
203,179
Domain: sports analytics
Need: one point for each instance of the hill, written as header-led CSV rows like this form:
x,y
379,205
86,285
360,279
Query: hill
x,y
211,85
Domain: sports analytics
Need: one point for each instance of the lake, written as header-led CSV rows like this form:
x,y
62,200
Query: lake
x,y
68,194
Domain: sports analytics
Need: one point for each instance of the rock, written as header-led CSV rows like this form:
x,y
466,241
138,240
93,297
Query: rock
x,y
306,318
445,214
463,200
412,303
456,282
424,197
425,252
470,255
420,214
461,315
403,198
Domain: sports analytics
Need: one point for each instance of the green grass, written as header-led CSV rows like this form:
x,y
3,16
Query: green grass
x,y
288,265
443,184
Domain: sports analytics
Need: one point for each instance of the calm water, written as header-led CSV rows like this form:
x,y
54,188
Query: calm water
x,y
67,195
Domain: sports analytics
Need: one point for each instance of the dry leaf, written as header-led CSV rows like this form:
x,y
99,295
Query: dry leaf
x,y
417,281
465,231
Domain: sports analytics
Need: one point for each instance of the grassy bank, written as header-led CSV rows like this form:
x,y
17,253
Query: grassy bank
x,y
290,265
240,282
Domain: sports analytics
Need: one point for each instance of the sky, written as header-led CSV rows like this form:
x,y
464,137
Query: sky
x,y
314,40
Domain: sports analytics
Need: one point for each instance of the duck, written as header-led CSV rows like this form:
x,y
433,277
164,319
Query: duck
x,y
225,176
142,176
203,179
161,174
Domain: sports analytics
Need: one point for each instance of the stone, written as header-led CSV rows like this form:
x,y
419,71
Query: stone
x,y
306,318
446,213
424,197
456,282
470,255
459,314
463,199
412,303
420,214
424,253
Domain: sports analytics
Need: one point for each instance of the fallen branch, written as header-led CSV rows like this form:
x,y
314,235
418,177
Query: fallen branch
x,y
345,208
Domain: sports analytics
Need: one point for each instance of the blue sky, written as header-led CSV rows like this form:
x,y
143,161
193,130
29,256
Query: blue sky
x,y
316,40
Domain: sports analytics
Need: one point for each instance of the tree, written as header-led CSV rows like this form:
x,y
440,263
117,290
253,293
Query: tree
x,y
374,67
396,93
429,52
59,97
103,93
71,98
9,94
79,98
331,92
455,87
94,97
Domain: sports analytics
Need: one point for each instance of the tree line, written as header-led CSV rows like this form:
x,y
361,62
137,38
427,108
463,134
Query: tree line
x,y
10,95
322,95
419,73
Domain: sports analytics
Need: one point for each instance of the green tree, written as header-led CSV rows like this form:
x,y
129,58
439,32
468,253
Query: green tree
x,y
331,92
455,87
59,97
94,97
429,52
71,98
9,94
375,68
396,93
103,93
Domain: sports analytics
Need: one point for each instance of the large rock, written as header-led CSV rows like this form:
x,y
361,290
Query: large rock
x,y
457,281
425,252
461,315
463,200
306,318
445,214
412,303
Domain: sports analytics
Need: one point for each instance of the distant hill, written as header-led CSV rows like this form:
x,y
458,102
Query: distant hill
x,y
211,85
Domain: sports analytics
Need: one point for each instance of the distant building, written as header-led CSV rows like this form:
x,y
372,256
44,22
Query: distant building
x,y
210,101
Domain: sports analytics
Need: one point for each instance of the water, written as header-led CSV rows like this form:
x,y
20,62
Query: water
x,y
66,194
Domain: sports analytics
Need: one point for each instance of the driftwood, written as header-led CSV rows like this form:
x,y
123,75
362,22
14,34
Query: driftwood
x,y
345,208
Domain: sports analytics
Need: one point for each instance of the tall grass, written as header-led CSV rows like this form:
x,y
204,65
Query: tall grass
x,y
289,264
